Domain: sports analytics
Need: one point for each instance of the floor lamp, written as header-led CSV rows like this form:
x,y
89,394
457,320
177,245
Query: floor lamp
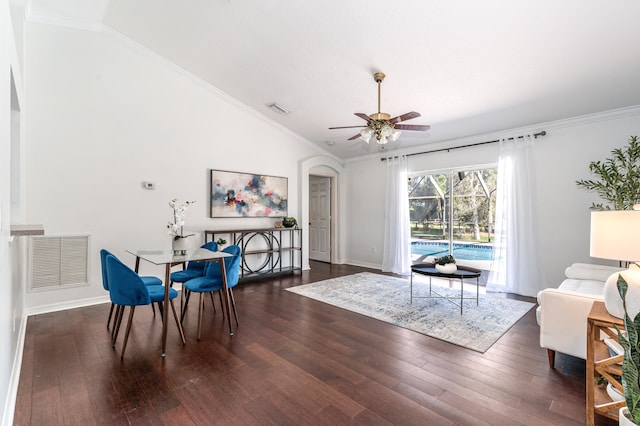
x,y
615,234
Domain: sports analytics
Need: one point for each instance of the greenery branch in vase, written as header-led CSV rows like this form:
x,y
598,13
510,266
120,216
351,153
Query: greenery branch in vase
x,y
618,178
176,227
630,341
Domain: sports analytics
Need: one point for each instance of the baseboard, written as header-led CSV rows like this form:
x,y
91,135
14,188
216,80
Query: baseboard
x,y
364,264
63,306
14,380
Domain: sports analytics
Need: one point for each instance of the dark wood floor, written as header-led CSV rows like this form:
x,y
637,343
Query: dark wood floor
x,y
292,361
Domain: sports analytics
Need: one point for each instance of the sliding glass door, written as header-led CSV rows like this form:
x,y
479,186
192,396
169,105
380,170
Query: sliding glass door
x,y
452,212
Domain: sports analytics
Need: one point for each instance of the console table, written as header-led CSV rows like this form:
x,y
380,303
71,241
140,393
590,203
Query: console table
x,y
265,252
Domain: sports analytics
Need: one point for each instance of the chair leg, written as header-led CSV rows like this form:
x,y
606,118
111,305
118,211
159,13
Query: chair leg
x,y
110,314
153,309
126,334
221,302
200,307
212,304
175,316
160,308
184,295
551,355
182,303
116,325
233,305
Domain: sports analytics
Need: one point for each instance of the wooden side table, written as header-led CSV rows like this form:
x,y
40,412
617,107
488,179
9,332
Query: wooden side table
x,y
600,363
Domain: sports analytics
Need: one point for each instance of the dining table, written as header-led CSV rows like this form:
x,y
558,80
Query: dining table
x,y
169,259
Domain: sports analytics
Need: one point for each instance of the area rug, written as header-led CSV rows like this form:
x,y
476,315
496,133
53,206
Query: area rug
x,y
386,298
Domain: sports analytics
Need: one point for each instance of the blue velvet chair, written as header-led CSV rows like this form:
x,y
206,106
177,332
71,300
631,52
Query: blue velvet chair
x,y
148,280
212,280
126,288
193,270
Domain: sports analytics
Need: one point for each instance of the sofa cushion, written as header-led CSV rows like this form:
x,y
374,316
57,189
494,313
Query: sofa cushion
x,y
584,286
585,271
592,288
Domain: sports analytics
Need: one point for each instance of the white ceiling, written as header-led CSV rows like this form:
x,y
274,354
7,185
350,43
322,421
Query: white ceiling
x,y
468,67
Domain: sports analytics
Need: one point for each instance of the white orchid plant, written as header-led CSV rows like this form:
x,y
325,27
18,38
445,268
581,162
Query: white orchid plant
x,y
179,214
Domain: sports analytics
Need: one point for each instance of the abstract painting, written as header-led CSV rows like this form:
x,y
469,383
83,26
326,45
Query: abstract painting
x,y
235,194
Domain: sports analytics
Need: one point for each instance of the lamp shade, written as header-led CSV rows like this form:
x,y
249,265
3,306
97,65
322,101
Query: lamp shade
x,y
615,234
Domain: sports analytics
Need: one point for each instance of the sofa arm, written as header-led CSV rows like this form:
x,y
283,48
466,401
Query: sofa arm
x,y
563,320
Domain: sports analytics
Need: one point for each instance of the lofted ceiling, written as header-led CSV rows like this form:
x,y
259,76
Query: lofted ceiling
x,y
468,67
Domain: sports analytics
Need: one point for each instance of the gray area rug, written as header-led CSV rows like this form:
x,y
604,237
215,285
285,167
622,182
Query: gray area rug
x,y
387,299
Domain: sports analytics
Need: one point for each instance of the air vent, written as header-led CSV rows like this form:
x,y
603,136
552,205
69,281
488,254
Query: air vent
x,y
56,262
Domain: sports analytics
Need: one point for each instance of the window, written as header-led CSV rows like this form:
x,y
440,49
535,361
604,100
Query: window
x,y
452,212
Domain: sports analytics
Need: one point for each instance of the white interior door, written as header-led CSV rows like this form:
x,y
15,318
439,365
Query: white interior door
x,y
320,218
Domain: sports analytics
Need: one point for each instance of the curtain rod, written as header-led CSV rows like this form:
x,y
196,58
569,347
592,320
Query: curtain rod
x,y
535,135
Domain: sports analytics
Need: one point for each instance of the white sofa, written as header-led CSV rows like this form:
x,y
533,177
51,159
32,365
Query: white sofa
x,y
562,312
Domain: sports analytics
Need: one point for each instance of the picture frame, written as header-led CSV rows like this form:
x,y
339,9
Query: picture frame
x,y
238,194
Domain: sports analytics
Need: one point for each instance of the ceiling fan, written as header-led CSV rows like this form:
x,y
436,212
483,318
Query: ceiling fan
x,y
380,124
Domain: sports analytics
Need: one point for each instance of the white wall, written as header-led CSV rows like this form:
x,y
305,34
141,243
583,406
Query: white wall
x,y
561,158
12,300
103,117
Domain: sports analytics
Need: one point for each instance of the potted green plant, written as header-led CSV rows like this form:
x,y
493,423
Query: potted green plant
x,y
617,178
221,242
446,264
630,341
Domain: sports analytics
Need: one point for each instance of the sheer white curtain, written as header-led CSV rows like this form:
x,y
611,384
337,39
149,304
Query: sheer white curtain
x,y
396,256
515,267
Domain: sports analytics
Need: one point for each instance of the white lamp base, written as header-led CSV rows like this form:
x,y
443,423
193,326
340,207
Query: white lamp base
x,y
612,299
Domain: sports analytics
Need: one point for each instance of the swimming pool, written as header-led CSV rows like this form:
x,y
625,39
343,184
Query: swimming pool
x,y
466,251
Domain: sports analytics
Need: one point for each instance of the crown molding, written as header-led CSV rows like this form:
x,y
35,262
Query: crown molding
x,y
582,120
63,21
614,114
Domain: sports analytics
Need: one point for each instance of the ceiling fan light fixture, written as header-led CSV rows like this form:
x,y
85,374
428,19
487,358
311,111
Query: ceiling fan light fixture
x,y
381,124
366,133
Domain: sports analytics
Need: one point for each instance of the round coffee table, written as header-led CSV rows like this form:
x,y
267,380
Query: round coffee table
x,y
463,272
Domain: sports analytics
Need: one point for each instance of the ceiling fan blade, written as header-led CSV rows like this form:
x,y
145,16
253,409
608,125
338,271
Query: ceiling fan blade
x,y
344,127
363,116
354,137
405,117
416,127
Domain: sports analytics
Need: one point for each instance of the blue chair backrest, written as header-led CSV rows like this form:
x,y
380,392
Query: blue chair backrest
x,y
231,265
126,288
211,245
103,262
